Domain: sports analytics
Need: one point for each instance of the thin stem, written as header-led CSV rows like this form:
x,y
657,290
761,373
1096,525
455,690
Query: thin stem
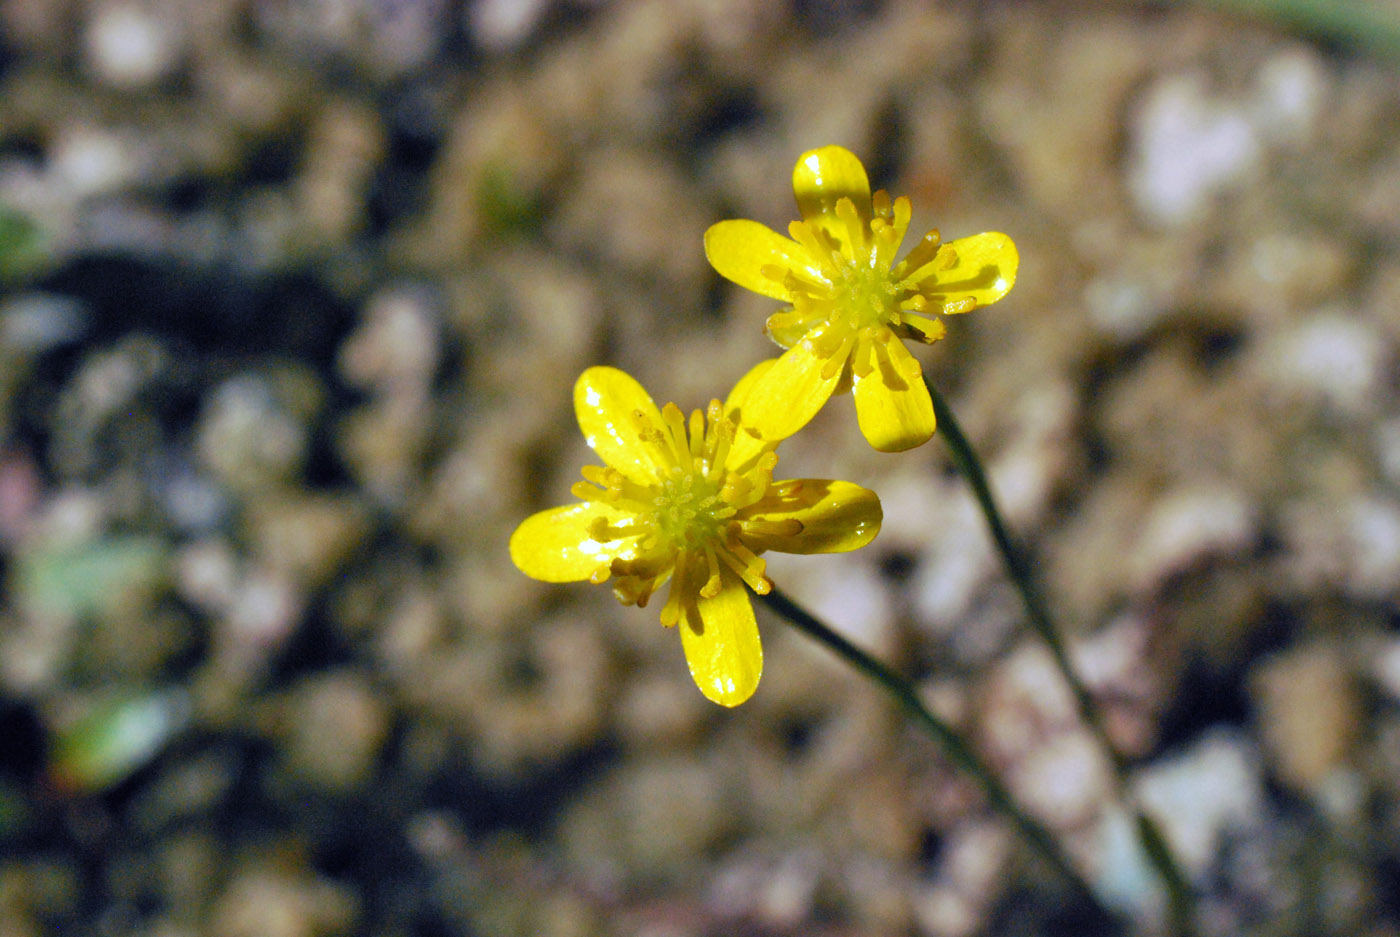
x,y
953,744
1180,901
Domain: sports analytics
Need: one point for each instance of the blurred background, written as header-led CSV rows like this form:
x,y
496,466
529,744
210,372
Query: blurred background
x,y
292,297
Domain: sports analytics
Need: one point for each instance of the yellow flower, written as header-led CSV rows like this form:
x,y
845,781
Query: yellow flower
x,y
693,503
851,304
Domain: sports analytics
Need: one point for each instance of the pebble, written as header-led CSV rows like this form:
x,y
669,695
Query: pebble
x,y
1188,526
333,726
276,902
1334,357
34,323
307,538
247,437
130,45
1309,713
1210,790
500,26
1187,146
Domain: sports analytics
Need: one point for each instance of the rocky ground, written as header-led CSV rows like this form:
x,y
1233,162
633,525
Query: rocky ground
x,y
294,294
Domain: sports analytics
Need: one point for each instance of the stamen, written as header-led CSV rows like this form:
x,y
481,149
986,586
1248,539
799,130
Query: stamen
x,y
893,379
768,527
774,272
722,437
903,212
652,438
749,567
855,228
697,435
805,234
806,280
671,611
862,360
921,329
597,474
785,318
712,585
924,252
586,492
736,488
674,421
837,359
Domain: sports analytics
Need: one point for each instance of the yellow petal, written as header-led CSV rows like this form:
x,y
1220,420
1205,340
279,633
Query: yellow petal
x,y
786,397
606,401
985,271
786,328
740,250
747,443
825,175
555,545
720,637
893,408
836,516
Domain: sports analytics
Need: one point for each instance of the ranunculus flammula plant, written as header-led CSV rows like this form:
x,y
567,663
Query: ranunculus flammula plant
x,y
851,305
693,503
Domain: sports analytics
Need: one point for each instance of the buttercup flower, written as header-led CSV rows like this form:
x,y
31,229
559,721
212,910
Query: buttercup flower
x,y
850,304
693,503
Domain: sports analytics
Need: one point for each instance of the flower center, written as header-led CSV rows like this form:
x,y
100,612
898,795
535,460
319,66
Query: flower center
x,y
688,508
863,294
684,521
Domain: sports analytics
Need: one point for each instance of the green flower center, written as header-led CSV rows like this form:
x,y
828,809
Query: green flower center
x,y
688,510
863,293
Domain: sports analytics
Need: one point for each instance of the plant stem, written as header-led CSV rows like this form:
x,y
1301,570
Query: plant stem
x,y
1180,901
953,744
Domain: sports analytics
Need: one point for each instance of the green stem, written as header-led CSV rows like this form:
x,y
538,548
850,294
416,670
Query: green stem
x,y
1180,901
954,746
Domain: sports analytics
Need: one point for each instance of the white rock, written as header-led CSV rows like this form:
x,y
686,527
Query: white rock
x,y
844,592
1289,94
1186,147
1385,669
501,25
1373,528
130,45
1210,789
88,161
1335,355
957,565
1188,525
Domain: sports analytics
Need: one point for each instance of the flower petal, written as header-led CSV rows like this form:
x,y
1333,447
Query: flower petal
x,y
747,443
786,397
985,271
836,516
739,250
720,637
893,406
606,401
825,175
555,545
